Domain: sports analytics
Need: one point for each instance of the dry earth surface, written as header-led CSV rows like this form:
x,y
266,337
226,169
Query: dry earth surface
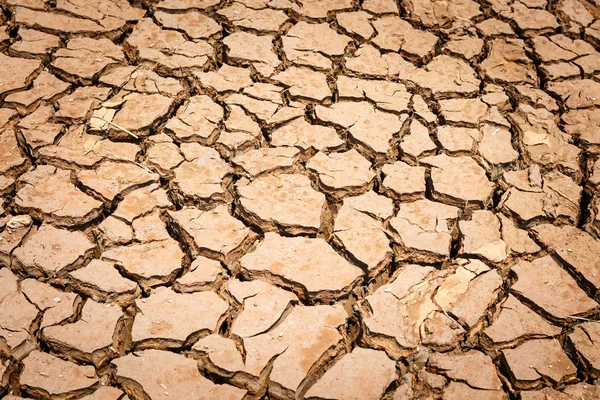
x,y
289,199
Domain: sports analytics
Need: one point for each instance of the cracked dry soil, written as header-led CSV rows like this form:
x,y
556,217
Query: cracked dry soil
x,y
289,199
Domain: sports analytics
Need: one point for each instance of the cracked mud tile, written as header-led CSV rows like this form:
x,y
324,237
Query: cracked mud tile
x,y
34,44
459,180
162,154
169,319
481,236
263,305
312,86
575,248
101,281
388,96
582,390
14,232
162,375
403,181
432,15
295,353
310,267
362,235
92,338
458,139
584,339
309,138
225,79
472,367
336,178
536,361
78,104
368,60
16,313
99,10
84,58
507,62
195,24
592,33
551,290
113,232
261,20
258,162
380,6
112,179
265,91
425,230
204,274
214,233
468,47
576,93
312,44
518,240
470,112
557,48
38,130
57,306
345,379
45,88
150,228
14,162
248,49
241,133
444,76
141,79
416,307
168,49
574,15
50,251
150,264
130,113
584,125
533,197
470,306
417,143
397,35
387,324
7,116
284,202
260,108
542,141
79,149
372,129
422,109
515,322
196,120
45,375
317,9
200,178
535,97
219,355
19,73
66,24
496,145
357,23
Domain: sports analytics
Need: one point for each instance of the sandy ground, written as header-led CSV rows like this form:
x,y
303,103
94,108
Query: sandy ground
x,y
284,199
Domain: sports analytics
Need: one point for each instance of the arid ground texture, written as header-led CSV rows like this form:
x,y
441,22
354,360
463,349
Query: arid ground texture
x,y
299,199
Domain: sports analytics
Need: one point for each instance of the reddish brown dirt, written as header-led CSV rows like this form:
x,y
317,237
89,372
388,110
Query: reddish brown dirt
x,y
289,199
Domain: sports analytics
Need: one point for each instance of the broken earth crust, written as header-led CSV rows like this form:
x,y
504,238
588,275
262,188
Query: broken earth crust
x,y
284,199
